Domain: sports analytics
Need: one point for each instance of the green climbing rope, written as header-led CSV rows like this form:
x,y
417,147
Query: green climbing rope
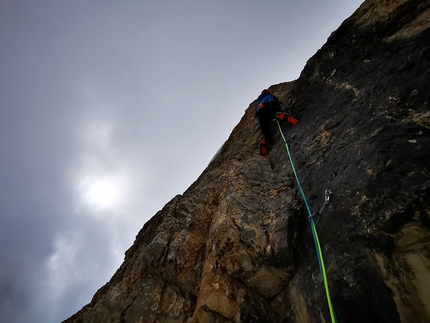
x,y
314,231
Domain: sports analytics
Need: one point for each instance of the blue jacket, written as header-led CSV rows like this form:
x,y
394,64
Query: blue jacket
x,y
262,100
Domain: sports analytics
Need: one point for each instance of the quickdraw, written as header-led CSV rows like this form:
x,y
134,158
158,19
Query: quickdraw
x,y
318,214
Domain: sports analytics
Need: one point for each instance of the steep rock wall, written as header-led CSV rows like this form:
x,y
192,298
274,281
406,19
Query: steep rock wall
x,y
236,246
365,134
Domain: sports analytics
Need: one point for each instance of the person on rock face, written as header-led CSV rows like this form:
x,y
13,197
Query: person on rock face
x,y
268,107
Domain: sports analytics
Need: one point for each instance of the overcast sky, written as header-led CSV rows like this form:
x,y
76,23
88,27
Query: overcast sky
x,y
108,109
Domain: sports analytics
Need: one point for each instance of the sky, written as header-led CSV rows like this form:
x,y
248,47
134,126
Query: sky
x,y
108,109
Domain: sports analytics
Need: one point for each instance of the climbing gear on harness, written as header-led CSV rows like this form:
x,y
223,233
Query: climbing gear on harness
x,y
263,146
318,214
314,230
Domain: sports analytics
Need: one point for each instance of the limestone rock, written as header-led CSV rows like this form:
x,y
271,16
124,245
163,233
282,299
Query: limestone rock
x,y
237,247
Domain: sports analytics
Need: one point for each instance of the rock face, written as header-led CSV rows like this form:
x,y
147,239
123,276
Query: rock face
x,y
237,246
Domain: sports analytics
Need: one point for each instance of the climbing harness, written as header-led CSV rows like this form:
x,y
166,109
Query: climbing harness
x,y
313,227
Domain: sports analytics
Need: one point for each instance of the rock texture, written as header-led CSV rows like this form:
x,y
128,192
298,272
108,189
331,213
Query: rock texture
x,y
237,247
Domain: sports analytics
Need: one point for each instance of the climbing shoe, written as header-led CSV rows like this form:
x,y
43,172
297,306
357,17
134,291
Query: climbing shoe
x,y
263,146
292,120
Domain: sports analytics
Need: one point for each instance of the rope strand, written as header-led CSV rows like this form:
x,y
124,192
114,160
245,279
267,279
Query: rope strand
x,y
314,231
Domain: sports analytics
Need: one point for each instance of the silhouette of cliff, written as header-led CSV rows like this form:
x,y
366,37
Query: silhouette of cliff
x,y
237,245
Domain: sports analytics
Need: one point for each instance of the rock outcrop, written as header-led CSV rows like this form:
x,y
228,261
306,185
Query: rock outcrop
x,y
237,247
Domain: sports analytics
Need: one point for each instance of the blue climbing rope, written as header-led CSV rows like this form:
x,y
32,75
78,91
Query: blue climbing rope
x,y
314,231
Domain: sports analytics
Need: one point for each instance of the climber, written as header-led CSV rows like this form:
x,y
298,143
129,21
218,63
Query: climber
x,y
268,107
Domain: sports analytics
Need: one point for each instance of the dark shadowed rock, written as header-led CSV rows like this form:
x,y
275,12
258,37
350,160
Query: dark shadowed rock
x,y
237,246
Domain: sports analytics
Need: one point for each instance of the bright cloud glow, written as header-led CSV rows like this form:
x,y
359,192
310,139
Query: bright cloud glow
x,y
106,192
102,178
